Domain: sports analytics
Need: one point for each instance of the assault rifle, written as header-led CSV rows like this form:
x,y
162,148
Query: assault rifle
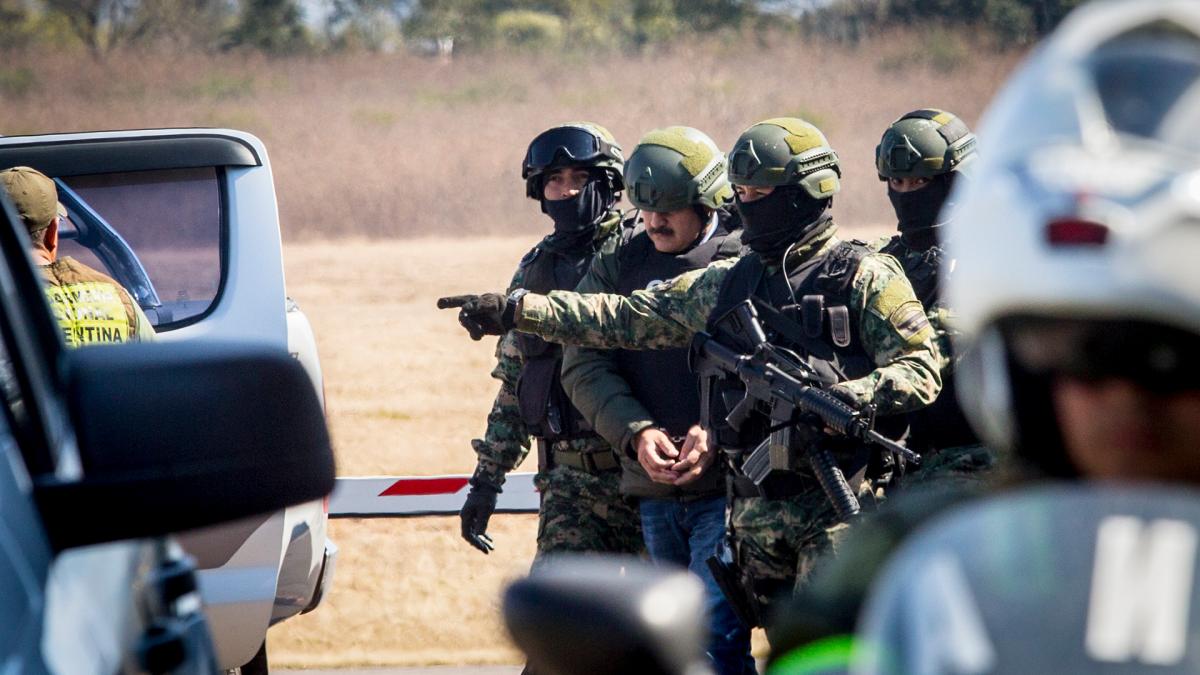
x,y
792,395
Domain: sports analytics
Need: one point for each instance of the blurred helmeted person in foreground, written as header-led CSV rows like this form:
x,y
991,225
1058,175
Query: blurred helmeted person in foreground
x,y
574,172
849,314
90,306
647,403
920,158
1078,300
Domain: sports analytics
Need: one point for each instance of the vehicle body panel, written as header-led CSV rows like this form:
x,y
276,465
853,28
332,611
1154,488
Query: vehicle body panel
x,y
276,571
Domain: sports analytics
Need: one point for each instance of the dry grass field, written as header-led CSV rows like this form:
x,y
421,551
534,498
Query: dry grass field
x,y
398,145
371,149
406,391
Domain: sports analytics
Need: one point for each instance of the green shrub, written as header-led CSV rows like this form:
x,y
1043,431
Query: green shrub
x,y
220,87
16,82
528,29
1010,20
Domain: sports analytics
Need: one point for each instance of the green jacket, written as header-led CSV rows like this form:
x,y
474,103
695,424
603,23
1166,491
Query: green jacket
x,y
891,323
598,390
506,441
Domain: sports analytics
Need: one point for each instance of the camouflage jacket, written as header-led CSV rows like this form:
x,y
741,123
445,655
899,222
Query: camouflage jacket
x,y
919,265
882,306
506,441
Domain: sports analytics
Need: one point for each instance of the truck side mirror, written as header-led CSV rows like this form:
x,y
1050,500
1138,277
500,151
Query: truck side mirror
x,y
177,436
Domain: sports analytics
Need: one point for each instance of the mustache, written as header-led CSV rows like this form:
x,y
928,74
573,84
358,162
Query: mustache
x,y
661,230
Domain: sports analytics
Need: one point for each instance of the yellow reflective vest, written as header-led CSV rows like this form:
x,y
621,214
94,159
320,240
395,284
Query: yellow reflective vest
x,y
91,307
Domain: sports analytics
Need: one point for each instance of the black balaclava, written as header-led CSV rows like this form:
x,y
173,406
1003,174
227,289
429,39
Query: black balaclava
x,y
575,219
786,216
917,211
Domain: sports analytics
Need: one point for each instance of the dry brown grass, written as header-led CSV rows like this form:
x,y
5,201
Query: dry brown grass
x,y
406,391
401,145
378,147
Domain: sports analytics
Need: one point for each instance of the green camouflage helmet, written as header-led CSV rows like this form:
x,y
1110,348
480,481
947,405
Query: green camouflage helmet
x,y
786,151
674,168
924,144
577,144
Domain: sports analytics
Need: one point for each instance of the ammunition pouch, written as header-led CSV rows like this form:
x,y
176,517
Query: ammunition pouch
x,y
545,408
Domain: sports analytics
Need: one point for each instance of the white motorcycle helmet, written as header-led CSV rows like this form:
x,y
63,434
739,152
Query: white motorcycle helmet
x,y
1077,246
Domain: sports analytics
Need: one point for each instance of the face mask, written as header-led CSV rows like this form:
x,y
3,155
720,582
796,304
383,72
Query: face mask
x,y
917,211
773,223
582,212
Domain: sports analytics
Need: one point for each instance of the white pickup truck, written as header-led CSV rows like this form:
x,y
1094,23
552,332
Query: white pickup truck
x,y
187,220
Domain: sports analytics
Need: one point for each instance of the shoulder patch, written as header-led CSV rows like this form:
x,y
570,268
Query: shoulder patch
x,y
896,293
911,323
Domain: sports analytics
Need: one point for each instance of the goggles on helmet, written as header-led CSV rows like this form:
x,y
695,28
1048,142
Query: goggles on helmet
x,y
1160,358
566,145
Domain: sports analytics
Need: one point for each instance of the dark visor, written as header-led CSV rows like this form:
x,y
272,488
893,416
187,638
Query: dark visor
x,y
1158,357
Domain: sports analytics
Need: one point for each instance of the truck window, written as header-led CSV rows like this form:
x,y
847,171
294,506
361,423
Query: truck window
x,y
172,221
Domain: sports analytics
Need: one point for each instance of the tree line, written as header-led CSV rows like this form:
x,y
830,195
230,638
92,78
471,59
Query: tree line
x,y
306,26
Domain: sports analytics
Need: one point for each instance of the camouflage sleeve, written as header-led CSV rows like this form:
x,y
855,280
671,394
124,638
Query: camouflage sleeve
x,y
941,320
895,332
662,317
591,378
505,442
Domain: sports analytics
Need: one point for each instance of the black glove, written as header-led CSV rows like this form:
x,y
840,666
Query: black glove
x,y
845,396
480,504
487,314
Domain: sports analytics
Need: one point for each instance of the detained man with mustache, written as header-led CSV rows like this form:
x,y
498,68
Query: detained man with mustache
x,y
646,403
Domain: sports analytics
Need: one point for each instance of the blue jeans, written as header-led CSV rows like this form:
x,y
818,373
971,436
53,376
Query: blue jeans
x,y
686,534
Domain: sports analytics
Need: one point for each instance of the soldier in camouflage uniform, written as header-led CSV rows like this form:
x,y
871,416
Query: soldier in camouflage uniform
x,y
574,171
920,157
90,306
870,331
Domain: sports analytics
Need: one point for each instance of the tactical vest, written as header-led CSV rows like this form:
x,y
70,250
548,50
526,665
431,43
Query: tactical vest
x,y
545,407
90,307
661,380
807,312
943,423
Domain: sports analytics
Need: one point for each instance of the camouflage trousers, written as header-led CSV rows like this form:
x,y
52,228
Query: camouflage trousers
x,y
583,512
780,541
960,466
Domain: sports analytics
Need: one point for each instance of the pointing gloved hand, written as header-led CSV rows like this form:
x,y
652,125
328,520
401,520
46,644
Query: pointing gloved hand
x,y
480,504
487,314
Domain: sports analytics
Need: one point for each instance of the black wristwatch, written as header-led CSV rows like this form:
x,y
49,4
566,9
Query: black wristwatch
x,y
509,318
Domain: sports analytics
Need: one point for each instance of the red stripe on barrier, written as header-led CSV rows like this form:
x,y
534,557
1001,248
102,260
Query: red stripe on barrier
x,y
424,486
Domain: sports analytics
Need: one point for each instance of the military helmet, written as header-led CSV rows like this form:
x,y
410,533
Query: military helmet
x,y
923,144
785,151
674,168
578,144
